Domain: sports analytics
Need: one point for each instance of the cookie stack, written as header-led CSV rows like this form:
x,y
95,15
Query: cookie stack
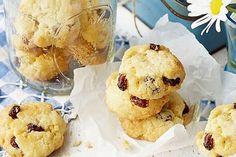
x,y
143,93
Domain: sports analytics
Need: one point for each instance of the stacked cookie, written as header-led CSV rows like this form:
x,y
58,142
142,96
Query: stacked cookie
x,y
219,137
142,94
47,36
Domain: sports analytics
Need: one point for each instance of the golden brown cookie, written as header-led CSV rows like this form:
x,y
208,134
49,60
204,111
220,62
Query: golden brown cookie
x,y
31,130
126,106
45,18
151,71
176,104
152,128
42,66
219,137
86,54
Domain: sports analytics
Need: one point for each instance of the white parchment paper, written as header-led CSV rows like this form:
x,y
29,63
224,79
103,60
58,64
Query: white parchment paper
x,y
99,130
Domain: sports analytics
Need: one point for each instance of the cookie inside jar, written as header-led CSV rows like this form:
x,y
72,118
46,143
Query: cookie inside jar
x,y
92,44
50,38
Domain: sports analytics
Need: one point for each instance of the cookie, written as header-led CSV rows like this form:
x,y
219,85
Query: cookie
x,y
94,42
25,26
176,104
152,71
219,138
179,107
126,106
48,17
23,44
31,130
86,54
98,29
188,114
42,65
152,128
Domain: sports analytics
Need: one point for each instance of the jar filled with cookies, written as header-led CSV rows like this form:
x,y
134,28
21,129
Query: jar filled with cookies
x,y
48,39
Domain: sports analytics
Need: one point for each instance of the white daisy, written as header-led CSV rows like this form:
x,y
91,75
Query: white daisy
x,y
214,11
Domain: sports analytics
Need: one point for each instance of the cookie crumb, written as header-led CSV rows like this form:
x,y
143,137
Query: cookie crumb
x,y
88,145
126,145
77,143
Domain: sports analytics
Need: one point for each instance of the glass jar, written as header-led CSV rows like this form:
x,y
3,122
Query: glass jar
x,y
230,26
48,39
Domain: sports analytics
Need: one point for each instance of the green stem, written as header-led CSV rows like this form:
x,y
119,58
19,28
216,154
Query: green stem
x,y
231,8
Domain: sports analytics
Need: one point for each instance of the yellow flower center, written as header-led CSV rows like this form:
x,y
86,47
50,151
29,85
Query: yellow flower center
x,y
215,6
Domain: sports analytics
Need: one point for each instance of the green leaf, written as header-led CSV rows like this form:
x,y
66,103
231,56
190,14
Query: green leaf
x,y
231,8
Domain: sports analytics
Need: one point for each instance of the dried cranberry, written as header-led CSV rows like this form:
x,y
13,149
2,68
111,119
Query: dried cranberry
x,y
154,47
122,82
186,109
234,105
219,155
14,111
33,127
171,82
208,142
13,143
139,102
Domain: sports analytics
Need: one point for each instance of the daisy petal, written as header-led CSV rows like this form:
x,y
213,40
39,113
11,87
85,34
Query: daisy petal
x,y
222,17
198,12
210,24
226,2
218,25
197,2
194,14
207,28
201,21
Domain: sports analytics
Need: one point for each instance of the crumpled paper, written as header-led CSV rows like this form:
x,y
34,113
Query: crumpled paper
x,y
99,130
